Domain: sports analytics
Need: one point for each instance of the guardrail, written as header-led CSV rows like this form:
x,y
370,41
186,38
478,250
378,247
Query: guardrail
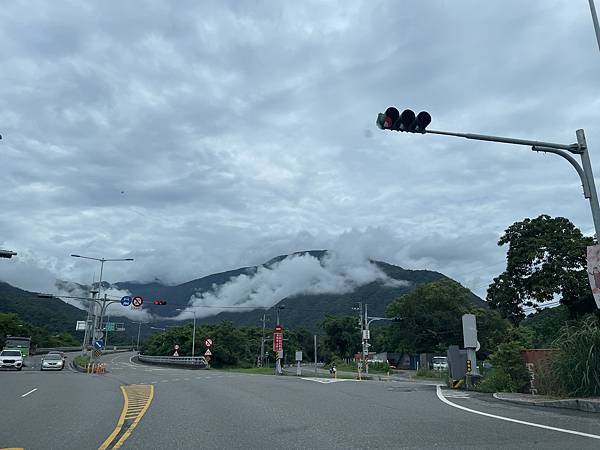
x,y
198,362
41,350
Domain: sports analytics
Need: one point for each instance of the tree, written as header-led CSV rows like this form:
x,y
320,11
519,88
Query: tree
x,y
342,335
432,320
546,258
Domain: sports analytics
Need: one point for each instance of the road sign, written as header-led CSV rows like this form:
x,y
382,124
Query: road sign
x,y
98,334
80,326
208,342
298,356
109,326
176,347
99,344
126,300
97,353
137,301
207,352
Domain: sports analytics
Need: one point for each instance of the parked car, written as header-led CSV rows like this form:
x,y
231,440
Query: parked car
x,y
11,359
52,361
440,363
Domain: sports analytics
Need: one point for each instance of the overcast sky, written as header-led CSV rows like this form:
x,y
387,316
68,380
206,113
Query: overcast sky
x,y
198,137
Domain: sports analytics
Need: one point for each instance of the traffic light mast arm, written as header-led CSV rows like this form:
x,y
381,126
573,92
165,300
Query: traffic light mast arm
x,y
573,148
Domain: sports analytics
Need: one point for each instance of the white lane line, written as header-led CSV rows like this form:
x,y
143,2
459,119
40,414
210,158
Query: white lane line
x,y
324,380
27,393
508,419
186,379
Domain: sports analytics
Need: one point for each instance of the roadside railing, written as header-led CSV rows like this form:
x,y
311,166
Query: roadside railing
x,y
198,362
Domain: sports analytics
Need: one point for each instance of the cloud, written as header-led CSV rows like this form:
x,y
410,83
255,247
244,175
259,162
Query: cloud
x,y
335,273
205,137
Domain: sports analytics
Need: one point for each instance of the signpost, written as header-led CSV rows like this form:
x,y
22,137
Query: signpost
x,y
137,301
99,343
208,342
298,361
278,347
80,325
593,270
176,352
207,352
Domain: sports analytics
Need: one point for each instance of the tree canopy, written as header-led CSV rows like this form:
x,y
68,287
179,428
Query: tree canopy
x,y
432,320
546,260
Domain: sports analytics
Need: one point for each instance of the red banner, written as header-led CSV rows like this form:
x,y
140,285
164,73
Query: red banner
x,y
277,341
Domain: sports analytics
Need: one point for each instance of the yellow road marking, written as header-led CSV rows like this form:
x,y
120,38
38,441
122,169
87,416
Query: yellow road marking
x,y
137,400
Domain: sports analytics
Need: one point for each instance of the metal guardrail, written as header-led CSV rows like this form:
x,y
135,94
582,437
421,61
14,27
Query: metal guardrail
x,y
41,350
191,361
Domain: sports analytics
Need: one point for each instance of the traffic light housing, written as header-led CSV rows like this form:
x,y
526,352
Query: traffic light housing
x,y
160,302
469,367
407,121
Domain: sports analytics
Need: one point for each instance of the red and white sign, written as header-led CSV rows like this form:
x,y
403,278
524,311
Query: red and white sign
x,y
176,347
278,339
207,353
208,342
137,301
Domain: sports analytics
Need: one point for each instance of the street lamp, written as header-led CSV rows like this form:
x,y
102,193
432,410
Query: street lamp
x,y
102,261
193,332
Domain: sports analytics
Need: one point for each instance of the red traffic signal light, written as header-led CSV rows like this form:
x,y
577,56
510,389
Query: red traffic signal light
x,y
407,121
159,302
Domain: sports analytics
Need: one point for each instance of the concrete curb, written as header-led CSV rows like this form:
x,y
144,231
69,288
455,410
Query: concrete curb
x,y
581,404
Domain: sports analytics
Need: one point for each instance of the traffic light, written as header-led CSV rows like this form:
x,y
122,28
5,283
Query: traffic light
x,y
469,367
160,302
391,119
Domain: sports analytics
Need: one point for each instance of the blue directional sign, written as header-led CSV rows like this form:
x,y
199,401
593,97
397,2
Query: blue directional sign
x,y
99,343
126,301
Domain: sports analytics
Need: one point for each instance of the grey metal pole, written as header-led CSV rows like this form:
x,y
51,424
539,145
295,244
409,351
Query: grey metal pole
x,y
366,342
587,170
262,342
595,20
194,336
138,339
315,340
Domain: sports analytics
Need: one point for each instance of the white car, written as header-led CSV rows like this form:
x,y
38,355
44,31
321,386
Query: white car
x,y
52,361
11,359
440,363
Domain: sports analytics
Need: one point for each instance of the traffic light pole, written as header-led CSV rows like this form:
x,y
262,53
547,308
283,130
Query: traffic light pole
x,y
584,170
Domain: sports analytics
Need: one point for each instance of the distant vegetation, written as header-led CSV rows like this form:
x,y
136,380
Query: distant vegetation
x,y
12,324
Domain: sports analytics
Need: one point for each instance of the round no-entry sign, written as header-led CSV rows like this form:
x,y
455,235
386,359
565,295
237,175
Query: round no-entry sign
x,y
137,301
208,342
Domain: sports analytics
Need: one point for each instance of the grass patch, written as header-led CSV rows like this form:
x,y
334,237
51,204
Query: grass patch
x,y
81,361
433,374
258,370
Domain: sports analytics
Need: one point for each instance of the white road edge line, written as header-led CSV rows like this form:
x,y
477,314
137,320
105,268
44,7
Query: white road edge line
x,y
508,419
27,393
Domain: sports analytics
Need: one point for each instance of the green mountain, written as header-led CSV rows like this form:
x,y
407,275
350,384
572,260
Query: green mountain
x,y
304,310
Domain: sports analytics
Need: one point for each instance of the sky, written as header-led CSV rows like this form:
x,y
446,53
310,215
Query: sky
x,y
198,137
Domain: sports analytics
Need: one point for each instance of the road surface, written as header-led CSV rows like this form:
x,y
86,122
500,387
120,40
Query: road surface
x,y
189,409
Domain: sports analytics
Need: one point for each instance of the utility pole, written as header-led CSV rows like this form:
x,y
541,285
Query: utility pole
x,y
595,20
262,341
138,337
315,338
365,340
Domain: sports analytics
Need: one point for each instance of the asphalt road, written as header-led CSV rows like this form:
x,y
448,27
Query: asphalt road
x,y
194,409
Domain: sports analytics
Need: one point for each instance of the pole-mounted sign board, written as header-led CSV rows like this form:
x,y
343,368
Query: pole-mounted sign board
x,y
126,300
469,330
593,269
278,339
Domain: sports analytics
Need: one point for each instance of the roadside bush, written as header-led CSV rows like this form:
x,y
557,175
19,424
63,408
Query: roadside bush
x,y
508,373
578,363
